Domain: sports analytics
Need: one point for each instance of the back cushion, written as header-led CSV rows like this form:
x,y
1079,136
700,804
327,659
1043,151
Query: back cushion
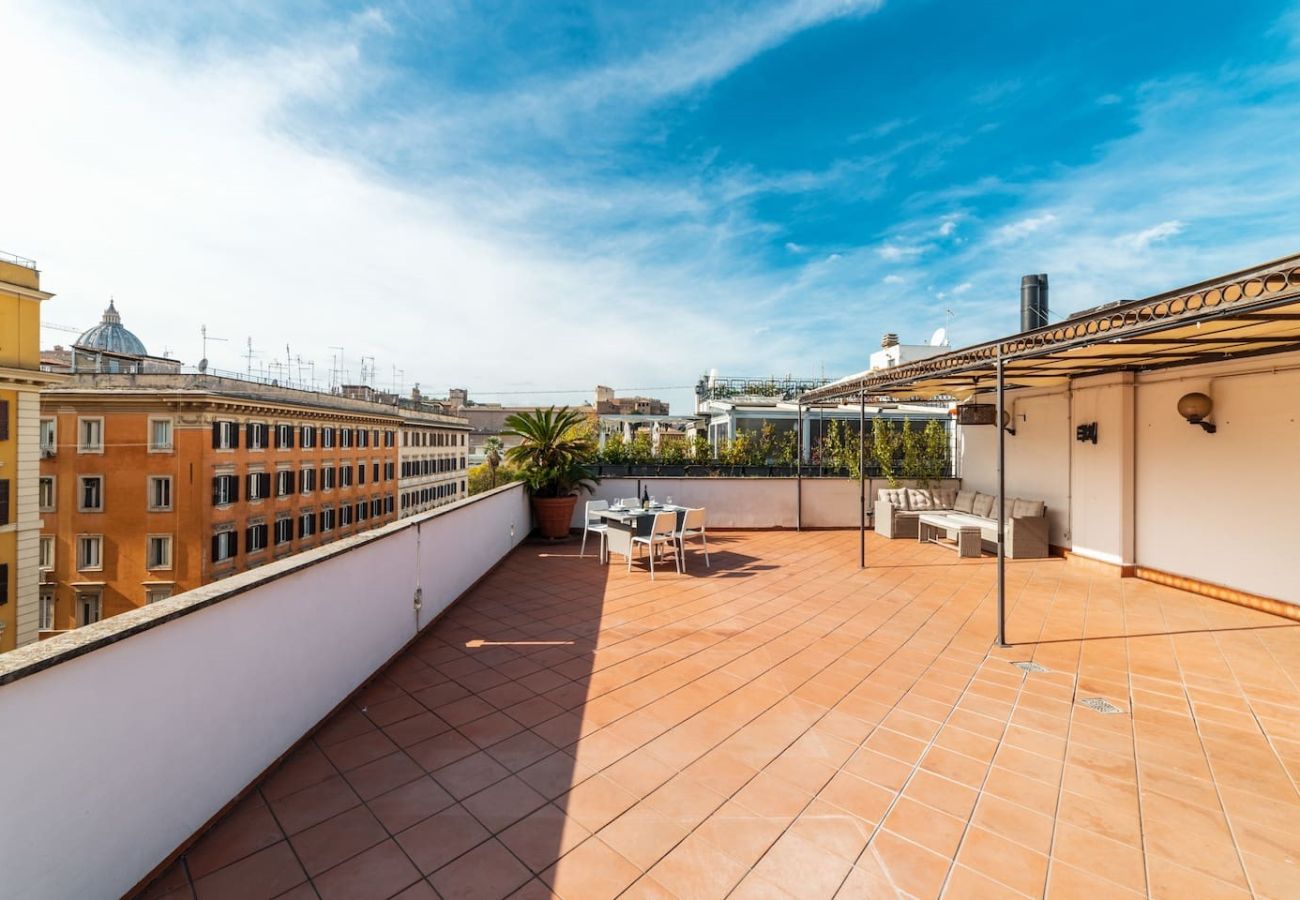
x,y
983,505
895,497
964,501
943,497
1028,509
918,499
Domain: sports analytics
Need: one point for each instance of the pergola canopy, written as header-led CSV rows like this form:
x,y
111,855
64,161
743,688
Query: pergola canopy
x,y
1252,312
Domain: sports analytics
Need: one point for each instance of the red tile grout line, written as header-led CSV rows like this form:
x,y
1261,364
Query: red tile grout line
x,y
1020,689
1200,737
1132,728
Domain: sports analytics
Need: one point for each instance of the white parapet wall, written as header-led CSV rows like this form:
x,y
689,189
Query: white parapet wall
x,y
123,738
752,502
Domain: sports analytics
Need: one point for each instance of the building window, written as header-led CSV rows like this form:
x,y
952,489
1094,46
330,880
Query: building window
x,y
306,523
345,474
284,437
284,482
374,472
327,519
327,475
90,494
225,544
89,610
307,480
283,530
160,493
361,510
256,537
345,515
157,593
259,435
90,435
308,435
225,435
159,551
46,493
46,554
259,485
327,438
46,610
160,435
49,439
361,473
90,552
225,490
345,437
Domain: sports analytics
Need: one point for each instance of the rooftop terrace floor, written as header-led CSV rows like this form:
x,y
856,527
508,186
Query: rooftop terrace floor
x,y
785,724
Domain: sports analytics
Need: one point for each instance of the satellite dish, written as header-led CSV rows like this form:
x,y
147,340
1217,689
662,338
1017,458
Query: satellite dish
x,y
203,365
939,338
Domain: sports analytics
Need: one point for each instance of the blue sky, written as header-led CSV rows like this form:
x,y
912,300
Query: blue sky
x,y
523,196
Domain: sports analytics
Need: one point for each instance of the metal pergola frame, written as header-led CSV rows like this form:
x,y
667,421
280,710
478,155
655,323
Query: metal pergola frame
x,y
1250,313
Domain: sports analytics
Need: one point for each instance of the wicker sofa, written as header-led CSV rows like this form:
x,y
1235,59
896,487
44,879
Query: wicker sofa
x,y
1026,529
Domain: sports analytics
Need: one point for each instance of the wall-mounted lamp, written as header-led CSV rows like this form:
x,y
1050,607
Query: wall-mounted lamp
x,y
1086,433
1196,408
1008,423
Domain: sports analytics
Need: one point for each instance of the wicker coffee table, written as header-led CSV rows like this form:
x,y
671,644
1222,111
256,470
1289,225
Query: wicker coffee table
x,y
934,528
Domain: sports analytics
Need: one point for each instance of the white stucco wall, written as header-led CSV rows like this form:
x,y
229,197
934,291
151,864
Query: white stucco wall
x,y
126,751
1155,491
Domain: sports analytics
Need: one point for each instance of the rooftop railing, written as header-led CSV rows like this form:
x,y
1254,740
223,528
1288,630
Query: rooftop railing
x,y
16,260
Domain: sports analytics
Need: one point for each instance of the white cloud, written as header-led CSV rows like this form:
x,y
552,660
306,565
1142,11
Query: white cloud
x,y
947,227
893,279
1022,228
171,180
1140,240
795,248
961,288
895,252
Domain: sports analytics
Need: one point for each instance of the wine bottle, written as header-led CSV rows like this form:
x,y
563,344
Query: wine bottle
x,y
645,498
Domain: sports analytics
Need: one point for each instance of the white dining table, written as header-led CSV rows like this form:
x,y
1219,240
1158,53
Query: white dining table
x,y
624,524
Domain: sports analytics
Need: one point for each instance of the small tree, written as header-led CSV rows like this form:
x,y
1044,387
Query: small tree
x,y
788,448
910,440
701,449
934,453
884,449
672,452
615,451
641,451
493,449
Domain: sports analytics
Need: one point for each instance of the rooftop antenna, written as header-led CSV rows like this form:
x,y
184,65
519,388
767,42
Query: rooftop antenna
x,y
399,378
249,354
364,369
948,316
203,361
336,368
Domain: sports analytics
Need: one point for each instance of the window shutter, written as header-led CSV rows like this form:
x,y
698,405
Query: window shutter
x,y
4,420
216,490
4,501
266,484
251,429
234,543
375,472
216,548
289,433
234,435
234,489
216,435
291,482
248,535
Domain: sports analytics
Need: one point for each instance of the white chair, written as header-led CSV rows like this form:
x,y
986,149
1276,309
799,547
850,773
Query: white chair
x,y
692,526
661,535
594,523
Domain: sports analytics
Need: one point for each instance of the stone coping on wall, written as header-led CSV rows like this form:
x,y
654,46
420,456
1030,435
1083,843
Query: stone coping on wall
x,y
35,657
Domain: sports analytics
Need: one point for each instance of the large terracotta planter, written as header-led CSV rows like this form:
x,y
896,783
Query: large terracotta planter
x,y
553,515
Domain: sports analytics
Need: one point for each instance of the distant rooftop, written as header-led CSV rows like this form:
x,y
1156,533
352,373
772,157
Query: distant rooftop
x,y
18,260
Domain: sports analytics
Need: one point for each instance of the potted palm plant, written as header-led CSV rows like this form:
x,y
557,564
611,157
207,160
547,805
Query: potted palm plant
x,y
554,447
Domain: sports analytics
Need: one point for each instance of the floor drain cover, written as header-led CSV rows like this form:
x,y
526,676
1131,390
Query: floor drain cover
x,y
1030,666
1101,705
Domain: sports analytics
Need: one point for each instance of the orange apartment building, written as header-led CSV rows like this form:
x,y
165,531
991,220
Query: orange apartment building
x,y
153,484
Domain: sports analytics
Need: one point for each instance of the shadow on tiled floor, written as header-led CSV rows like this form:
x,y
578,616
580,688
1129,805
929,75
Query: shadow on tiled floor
x,y
808,730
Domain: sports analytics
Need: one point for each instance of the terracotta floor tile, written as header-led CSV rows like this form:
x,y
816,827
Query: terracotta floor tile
x,y
591,871
248,828
504,803
543,836
748,734
331,842
382,775
439,839
695,868
314,804
470,775
379,872
413,802
488,872
266,873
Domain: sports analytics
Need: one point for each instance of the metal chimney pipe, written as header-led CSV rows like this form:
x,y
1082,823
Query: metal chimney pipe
x,y
1033,302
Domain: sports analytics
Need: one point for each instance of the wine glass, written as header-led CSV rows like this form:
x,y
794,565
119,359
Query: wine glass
x,y
668,501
